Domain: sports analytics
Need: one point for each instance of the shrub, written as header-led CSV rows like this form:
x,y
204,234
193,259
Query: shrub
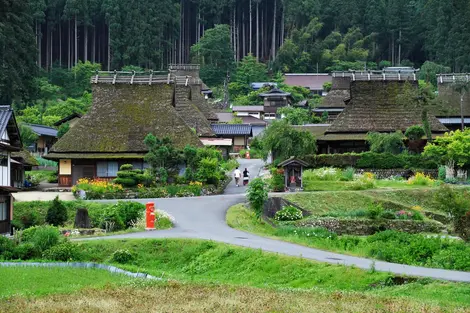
x,y
208,171
57,213
388,215
288,213
415,132
129,211
257,195
348,174
66,251
374,211
42,237
386,143
25,251
112,220
7,247
122,256
128,177
442,172
26,219
277,183
421,179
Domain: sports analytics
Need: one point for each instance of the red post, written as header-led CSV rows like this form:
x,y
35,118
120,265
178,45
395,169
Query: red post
x,y
150,216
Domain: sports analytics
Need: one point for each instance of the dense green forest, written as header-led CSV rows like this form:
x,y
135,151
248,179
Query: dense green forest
x,y
286,35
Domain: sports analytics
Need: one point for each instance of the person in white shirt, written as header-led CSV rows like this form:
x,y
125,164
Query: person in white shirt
x,y
237,175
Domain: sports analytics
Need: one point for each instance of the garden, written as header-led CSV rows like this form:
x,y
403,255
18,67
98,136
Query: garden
x,y
425,226
172,173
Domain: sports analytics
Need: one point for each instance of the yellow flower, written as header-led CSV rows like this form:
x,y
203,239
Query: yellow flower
x,y
417,208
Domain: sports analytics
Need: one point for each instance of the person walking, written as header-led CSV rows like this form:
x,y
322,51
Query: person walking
x,y
246,177
237,174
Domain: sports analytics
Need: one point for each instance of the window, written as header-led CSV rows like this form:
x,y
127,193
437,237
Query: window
x,y
4,160
4,211
107,169
137,165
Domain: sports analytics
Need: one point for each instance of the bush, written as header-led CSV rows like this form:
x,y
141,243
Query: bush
x,y
66,251
415,132
208,171
26,219
42,237
277,182
57,213
348,174
111,220
25,251
420,179
257,195
374,211
322,174
386,143
122,256
288,213
442,173
388,215
7,247
129,212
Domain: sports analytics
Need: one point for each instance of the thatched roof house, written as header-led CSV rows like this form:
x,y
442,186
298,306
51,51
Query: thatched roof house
x,y
373,108
450,113
125,110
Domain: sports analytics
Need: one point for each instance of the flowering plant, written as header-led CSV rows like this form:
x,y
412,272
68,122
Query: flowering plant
x,y
420,179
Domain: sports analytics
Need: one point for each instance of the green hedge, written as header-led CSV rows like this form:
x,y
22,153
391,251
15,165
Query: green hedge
x,y
371,160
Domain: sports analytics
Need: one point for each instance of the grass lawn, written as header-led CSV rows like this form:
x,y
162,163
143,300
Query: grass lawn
x,y
213,277
176,297
35,281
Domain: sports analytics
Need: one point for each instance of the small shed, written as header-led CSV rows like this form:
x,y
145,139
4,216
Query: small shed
x,y
293,169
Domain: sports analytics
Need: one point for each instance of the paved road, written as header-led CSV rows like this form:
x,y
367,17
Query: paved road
x,y
204,218
253,166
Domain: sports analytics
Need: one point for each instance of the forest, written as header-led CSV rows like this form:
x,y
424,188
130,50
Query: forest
x,y
48,38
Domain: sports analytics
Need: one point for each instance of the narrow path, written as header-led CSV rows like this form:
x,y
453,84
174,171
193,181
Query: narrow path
x,y
204,218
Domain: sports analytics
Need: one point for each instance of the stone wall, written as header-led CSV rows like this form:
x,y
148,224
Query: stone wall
x,y
369,227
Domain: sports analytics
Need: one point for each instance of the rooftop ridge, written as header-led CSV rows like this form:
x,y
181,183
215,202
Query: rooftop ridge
x,y
146,77
378,75
452,77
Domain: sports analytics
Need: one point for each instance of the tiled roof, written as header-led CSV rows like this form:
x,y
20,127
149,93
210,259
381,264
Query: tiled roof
x,y
5,115
43,130
8,122
232,129
248,108
310,81
257,86
275,92
227,117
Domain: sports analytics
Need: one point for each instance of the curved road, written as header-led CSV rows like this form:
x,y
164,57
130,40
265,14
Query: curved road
x,y
204,218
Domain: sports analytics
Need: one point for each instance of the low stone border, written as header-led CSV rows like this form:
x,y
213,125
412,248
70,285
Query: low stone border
x,y
109,268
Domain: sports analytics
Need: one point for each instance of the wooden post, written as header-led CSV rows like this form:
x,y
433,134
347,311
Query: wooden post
x,y
286,176
301,180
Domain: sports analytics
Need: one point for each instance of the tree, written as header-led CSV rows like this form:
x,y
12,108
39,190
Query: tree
x,y
214,53
162,156
386,143
56,213
295,116
429,70
17,51
249,70
285,141
28,137
63,129
415,132
453,146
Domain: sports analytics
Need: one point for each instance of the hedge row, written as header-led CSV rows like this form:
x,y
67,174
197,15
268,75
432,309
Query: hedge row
x,y
371,160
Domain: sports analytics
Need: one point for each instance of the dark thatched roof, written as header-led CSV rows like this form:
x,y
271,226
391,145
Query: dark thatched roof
x,y
25,157
120,118
373,107
316,130
201,103
335,99
190,112
451,102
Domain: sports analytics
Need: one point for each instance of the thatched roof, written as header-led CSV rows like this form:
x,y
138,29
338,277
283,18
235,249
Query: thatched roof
x,y
451,102
120,118
373,107
25,157
190,112
201,103
335,99
316,130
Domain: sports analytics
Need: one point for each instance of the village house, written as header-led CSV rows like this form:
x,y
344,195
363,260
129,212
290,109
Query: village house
x,y
257,125
453,106
373,107
256,111
238,133
126,108
10,142
273,100
312,81
47,136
